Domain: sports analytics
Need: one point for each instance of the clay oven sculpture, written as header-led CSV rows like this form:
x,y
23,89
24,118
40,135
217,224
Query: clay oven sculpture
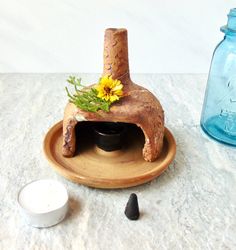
x,y
139,106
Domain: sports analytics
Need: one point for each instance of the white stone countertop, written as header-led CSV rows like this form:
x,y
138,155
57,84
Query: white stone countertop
x,y
192,205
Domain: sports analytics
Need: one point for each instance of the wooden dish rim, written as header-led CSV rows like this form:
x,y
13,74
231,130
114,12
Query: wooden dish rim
x,y
106,183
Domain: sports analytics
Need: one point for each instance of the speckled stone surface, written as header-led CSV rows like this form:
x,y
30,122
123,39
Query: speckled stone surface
x,y
192,205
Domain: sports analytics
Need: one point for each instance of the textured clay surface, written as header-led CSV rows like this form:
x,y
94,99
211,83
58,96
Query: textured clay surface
x,y
139,106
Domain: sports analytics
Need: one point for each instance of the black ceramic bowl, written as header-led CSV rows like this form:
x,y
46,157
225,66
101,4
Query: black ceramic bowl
x,y
109,135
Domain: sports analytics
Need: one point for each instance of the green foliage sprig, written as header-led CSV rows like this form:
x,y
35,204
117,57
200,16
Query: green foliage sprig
x,y
86,99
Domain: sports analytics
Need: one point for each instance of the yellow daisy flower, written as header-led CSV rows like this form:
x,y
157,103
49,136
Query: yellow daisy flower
x,y
109,89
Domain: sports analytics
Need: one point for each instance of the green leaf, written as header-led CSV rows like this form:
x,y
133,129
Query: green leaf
x,y
86,99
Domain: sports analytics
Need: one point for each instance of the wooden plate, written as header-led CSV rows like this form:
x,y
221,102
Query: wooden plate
x,y
96,168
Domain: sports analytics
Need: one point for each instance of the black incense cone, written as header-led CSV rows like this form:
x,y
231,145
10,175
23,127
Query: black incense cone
x,y
132,209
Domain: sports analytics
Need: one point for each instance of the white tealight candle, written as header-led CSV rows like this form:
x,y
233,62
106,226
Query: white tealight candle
x,y
44,202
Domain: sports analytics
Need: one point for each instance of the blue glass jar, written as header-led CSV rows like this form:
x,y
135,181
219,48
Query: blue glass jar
x,y
218,118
